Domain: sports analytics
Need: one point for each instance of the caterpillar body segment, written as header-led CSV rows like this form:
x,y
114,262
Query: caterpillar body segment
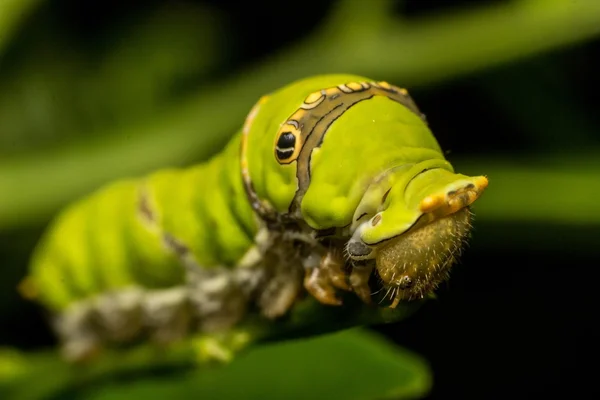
x,y
332,181
154,257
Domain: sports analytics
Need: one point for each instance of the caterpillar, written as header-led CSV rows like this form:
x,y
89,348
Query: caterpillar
x,y
334,184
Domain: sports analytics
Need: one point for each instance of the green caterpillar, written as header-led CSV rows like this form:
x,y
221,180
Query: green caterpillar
x,y
334,183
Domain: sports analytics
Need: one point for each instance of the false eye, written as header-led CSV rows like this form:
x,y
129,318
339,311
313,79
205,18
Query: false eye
x,y
285,145
288,142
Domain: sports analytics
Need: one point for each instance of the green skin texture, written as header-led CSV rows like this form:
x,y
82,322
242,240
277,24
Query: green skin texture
x,y
100,242
368,139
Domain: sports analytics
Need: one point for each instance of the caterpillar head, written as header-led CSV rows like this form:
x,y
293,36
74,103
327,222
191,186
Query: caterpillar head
x,y
413,223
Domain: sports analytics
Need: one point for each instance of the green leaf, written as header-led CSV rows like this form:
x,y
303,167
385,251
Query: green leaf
x,y
348,365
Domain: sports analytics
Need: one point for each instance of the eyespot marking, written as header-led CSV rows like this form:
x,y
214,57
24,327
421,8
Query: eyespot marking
x,y
286,140
288,143
310,122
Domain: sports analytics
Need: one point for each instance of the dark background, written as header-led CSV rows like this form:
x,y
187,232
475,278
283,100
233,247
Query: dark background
x,y
518,317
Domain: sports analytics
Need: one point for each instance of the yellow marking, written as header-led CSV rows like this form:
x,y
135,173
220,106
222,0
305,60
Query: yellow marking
x,y
313,100
451,202
403,91
245,131
259,206
345,89
311,121
430,203
481,183
355,86
252,114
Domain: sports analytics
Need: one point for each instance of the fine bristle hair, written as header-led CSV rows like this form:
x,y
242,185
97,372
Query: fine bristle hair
x,y
417,262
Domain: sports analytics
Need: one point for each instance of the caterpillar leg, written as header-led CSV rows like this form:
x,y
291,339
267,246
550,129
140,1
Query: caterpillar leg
x,y
276,270
322,280
334,266
118,314
167,314
121,316
217,301
75,329
359,280
280,291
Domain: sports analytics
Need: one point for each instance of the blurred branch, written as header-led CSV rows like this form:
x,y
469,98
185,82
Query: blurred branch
x,y
561,189
12,13
20,369
359,38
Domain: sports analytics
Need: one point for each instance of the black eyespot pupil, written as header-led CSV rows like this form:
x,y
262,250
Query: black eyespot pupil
x,y
286,140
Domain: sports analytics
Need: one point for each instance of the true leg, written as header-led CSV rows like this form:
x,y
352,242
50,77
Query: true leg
x,y
359,280
281,291
333,264
322,280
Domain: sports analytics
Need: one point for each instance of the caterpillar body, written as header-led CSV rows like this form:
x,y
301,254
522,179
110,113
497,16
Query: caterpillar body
x,y
334,182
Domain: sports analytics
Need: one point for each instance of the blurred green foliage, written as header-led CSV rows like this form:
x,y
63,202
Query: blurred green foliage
x,y
115,101
149,91
351,365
